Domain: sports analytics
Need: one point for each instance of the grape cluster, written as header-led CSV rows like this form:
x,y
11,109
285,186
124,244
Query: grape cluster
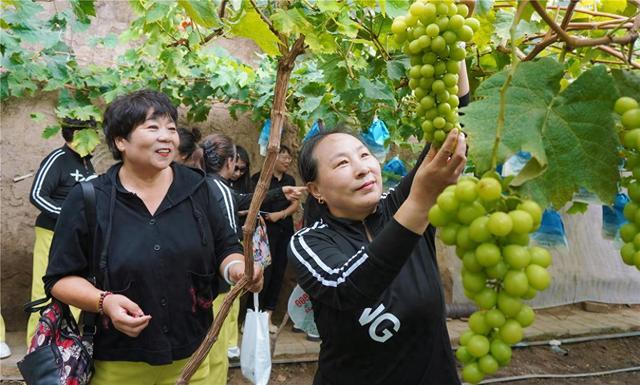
x,y
430,33
491,233
629,232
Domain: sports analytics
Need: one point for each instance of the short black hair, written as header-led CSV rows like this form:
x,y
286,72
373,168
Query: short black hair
x,y
286,149
128,111
243,184
70,126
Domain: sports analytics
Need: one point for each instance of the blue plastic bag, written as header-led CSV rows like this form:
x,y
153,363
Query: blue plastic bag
x,y
315,130
375,137
393,171
263,141
613,217
514,164
551,232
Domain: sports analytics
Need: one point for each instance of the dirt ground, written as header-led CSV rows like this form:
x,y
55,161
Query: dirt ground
x,y
593,356
584,357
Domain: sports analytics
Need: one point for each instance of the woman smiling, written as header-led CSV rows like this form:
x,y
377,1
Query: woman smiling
x,y
166,241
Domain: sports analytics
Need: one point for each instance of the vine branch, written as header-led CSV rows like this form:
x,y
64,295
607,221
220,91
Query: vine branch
x,y
573,42
286,64
374,39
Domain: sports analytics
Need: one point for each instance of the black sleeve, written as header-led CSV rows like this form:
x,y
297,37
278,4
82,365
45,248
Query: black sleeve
x,y
244,200
70,246
223,220
46,181
397,195
349,281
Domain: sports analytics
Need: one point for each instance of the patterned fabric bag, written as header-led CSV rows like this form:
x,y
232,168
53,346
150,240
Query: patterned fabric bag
x,y
58,353
261,252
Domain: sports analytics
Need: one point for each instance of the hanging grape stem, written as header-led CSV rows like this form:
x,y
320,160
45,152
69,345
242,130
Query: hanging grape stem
x,y
503,90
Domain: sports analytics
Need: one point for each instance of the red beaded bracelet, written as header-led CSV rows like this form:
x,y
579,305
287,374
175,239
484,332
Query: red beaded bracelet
x,y
103,295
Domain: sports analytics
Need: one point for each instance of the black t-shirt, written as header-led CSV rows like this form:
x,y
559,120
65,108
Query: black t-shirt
x,y
279,204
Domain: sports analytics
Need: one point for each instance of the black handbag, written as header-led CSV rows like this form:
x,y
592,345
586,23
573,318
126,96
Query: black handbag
x,y
59,354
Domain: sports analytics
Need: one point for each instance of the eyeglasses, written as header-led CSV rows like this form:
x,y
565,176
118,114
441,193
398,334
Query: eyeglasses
x,y
284,156
240,169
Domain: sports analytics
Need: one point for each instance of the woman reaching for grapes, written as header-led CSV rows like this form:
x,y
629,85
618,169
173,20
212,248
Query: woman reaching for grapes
x,y
369,265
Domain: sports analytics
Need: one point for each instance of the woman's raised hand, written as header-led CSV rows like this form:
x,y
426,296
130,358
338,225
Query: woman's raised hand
x,y
125,314
440,168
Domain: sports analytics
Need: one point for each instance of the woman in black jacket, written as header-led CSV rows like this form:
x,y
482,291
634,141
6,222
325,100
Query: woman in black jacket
x,y
167,245
369,265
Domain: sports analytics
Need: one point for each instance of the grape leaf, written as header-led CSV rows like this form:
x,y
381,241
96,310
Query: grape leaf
x,y
570,134
253,27
395,8
85,141
83,9
50,131
483,6
201,12
628,82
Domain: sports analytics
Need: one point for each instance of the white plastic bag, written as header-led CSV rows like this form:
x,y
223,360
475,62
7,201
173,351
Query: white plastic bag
x,y
255,353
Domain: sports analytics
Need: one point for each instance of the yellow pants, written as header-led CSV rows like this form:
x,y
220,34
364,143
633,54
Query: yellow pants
x,y
2,331
218,360
40,260
141,373
232,319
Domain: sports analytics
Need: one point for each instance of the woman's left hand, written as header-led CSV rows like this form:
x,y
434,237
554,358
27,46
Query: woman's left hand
x,y
236,273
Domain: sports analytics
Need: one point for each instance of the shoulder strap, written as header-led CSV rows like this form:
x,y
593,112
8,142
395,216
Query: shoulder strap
x,y
89,194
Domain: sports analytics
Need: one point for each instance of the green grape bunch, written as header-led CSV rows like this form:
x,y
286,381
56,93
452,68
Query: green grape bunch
x,y
490,230
629,112
430,35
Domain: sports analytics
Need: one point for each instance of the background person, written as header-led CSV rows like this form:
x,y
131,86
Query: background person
x,y
189,152
278,217
167,244
56,176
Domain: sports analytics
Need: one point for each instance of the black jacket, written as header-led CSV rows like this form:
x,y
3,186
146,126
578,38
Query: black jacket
x,y
56,176
379,306
167,262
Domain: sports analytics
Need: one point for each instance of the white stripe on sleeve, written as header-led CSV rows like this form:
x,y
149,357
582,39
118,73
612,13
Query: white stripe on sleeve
x,y
360,257
42,174
228,203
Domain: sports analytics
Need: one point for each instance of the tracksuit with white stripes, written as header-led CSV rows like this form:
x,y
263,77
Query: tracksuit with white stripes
x,y
379,305
57,175
55,178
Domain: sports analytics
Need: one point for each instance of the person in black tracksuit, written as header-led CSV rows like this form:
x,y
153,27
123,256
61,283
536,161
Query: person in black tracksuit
x,y
59,171
368,263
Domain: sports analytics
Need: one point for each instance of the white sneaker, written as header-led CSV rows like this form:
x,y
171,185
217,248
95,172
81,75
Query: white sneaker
x,y
4,350
311,336
233,352
273,329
